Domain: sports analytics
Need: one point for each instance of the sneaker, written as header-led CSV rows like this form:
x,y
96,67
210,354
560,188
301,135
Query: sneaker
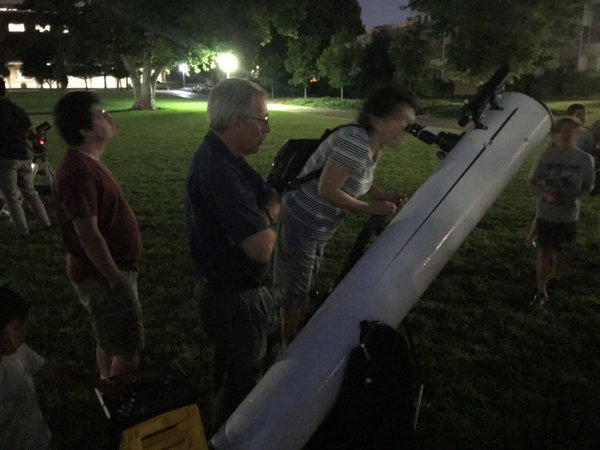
x,y
539,300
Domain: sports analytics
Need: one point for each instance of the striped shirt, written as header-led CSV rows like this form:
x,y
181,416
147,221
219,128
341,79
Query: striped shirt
x,y
311,214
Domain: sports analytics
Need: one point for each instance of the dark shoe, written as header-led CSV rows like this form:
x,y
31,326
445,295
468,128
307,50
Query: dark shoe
x,y
539,300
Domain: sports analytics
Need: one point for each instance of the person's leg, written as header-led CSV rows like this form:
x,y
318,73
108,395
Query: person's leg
x,y
532,232
275,344
104,362
206,302
125,330
293,265
291,317
8,186
25,184
544,260
124,363
246,331
559,261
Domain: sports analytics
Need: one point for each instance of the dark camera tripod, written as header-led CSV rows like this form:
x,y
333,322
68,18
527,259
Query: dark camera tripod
x,y
39,159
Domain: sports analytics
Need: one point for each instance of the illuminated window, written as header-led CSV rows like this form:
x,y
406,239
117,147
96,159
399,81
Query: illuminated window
x,y
65,31
42,29
16,27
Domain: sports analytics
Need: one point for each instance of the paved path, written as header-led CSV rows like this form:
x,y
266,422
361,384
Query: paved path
x,y
434,122
184,94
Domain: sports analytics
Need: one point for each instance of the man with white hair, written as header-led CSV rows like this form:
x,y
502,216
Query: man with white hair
x,y
229,214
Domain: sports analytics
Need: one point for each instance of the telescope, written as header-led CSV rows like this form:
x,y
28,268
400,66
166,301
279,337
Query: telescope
x,y
39,143
445,141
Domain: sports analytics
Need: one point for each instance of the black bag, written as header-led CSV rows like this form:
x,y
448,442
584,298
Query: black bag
x,y
374,409
290,160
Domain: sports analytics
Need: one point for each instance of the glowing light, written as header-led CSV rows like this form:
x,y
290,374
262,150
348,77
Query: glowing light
x,y
183,68
16,27
42,29
228,63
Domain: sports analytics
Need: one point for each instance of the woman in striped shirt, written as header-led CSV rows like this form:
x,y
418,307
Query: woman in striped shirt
x,y
311,213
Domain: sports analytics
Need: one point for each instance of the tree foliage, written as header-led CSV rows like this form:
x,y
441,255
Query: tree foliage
x,y
150,35
411,52
302,60
375,65
339,61
487,33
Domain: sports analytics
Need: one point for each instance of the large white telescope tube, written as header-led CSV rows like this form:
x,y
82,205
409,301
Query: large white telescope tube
x,y
291,401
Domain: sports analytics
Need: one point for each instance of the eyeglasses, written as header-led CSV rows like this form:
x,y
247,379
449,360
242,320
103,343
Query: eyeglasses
x,y
265,120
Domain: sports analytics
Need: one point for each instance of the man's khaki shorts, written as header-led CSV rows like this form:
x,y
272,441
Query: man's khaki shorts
x,y
116,319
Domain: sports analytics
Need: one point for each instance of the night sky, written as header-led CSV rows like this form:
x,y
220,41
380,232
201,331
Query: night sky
x,y
382,12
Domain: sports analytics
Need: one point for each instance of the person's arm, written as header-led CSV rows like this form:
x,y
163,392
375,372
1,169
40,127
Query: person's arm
x,y
94,245
30,133
259,247
271,208
333,178
396,198
549,196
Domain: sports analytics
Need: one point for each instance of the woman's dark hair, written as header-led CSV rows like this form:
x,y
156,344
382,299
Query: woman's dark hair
x,y
12,306
2,87
73,113
572,109
382,102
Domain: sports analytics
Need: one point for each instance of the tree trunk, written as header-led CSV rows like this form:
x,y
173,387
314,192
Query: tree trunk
x,y
342,94
272,96
86,86
143,81
304,91
105,86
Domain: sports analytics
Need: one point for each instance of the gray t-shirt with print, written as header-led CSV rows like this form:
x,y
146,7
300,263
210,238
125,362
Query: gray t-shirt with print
x,y
565,173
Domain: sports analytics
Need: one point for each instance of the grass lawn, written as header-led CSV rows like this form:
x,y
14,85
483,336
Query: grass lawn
x,y
497,374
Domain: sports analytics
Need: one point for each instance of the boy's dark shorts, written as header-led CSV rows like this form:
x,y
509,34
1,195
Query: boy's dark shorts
x,y
556,235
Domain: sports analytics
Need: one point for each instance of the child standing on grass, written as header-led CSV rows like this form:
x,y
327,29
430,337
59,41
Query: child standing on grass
x,y
22,426
559,178
577,112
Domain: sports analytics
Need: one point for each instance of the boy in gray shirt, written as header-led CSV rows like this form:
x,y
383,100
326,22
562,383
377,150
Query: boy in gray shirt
x,y
559,178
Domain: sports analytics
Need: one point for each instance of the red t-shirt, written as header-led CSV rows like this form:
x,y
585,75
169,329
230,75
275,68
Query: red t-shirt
x,y
85,188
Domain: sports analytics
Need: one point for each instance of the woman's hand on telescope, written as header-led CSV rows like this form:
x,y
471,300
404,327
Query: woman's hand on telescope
x,y
398,199
381,208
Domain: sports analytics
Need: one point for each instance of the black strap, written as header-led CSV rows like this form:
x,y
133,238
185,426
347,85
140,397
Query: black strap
x,y
315,174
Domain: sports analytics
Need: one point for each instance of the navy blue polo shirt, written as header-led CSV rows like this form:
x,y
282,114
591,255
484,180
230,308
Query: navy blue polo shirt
x,y
222,198
14,122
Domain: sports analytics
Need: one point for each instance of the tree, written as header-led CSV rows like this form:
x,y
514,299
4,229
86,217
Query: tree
x,y
302,60
411,52
375,65
487,33
339,61
151,35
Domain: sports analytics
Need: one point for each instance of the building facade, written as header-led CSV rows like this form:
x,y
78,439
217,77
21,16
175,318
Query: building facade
x,y
19,30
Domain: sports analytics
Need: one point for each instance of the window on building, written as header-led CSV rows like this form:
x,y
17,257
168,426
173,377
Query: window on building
x,y
16,27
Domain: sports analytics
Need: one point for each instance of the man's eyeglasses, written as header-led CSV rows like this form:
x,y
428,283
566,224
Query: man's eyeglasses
x,y
265,120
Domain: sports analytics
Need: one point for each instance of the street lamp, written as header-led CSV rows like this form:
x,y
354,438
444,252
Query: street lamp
x,y
228,63
183,68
